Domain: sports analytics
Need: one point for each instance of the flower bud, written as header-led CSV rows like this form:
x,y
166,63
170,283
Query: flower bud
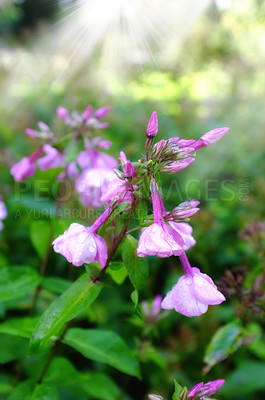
x,y
101,112
62,113
128,170
152,127
155,397
87,114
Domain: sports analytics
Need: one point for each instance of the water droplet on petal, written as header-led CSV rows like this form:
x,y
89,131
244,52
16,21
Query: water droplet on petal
x,y
81,238
91,248
188,281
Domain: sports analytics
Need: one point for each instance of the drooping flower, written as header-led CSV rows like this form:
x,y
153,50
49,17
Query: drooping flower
x,y
193,293
202,390
159,239
80,244
52,159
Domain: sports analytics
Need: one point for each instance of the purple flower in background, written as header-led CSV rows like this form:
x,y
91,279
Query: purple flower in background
x,y
80,244
44,132
193,293
23,169
119,189
92,184
3,212
202,390
52,159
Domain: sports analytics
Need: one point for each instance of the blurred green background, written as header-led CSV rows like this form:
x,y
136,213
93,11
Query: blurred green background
x,y
210,75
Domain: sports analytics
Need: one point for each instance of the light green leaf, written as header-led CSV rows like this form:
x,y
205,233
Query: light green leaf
x,y
137,267
76,299
29,390
17,282
117,271
225,341
41,236
177,391
22,327
103,346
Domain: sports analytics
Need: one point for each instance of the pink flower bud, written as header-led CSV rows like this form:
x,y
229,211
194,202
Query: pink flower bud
x,y
23,169
101,112
62,113
31,132
128,170
211,137
152,127
87,114
176,166
200,390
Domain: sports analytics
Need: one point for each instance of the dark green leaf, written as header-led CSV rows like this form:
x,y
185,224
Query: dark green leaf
x,y
22,327
55,284
103,346
76,299
137,267
12,348
41,236
248,378
29,390
225,341
17,282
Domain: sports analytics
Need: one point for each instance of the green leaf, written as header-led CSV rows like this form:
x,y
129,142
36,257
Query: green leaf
x,y
137,267
55,285
141,211
248,378
22,327
177,391
225,341
17,282
41,236
97,385
103,346
76,299
29,390
117,271
12,348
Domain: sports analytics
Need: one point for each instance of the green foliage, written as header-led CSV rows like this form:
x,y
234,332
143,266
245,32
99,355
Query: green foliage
x,y
103,346
17,282
41,235
178,389
137,267
75,300
30,390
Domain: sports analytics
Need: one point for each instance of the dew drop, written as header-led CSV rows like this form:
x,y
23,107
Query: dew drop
x,y
81,238
189,281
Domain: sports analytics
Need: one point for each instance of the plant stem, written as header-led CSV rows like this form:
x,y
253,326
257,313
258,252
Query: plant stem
x,y
54,351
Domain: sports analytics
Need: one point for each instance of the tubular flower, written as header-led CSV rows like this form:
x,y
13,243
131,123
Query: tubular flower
x,y
193,293
80,244
159,239
25,167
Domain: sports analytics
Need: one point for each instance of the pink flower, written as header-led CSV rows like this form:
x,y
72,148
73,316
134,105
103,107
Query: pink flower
x,y
159,239
101,112
193,292
72,170
23,169
210,137
80,245
127,166
92,158
92,184
155,308
152,127
52,159
185,231
200,390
